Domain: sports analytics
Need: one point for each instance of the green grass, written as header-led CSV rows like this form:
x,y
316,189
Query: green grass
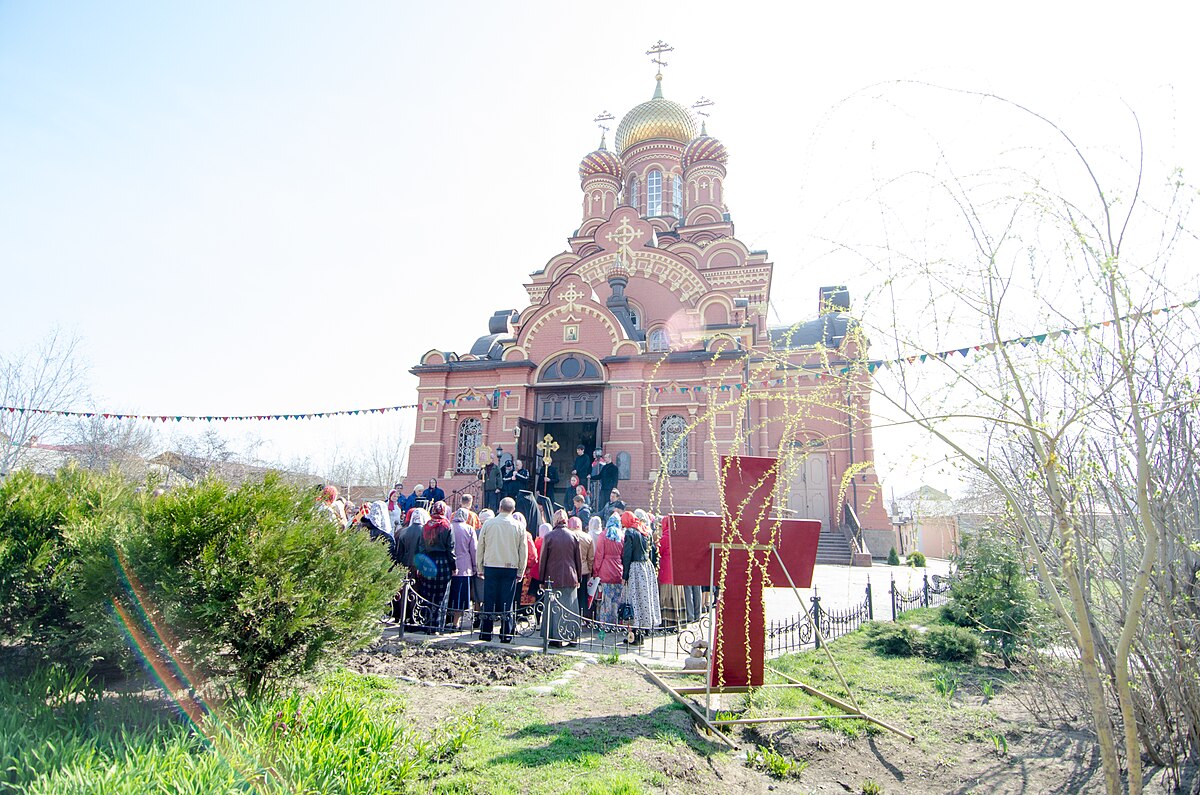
x,y
348,733
913,693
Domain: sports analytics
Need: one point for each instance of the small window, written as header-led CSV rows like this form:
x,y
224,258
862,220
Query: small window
x,y
470,439
570,367
632,193
654,193
677,196
658,340
673,445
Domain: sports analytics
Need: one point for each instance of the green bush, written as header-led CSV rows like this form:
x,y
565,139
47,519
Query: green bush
x,y
917,559
951,644
897,640
250,584
992,594
893,558
47,526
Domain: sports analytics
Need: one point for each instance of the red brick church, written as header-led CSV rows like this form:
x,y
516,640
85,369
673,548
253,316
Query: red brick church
x,y
648,337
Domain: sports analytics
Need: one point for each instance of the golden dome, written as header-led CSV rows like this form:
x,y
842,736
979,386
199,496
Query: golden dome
x,y
658,118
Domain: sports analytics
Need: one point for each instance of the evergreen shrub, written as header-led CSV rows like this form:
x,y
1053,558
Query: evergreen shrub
x,y
251,583
893,559
917,559
951,644
992,594
898,640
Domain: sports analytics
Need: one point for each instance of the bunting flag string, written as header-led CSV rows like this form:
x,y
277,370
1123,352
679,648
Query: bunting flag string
x,y
871,366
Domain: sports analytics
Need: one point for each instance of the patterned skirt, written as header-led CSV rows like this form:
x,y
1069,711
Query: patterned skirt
x,y
609,597
642,593
433,588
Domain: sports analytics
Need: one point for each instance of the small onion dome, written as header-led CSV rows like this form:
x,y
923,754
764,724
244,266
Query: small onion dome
x,y
655,119
704,149
602,162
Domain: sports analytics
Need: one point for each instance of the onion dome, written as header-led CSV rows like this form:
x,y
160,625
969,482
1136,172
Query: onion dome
x,y
601,161
704,149
657,118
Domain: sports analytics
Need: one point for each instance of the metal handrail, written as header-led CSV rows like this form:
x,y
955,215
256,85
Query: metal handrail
x,y
856,528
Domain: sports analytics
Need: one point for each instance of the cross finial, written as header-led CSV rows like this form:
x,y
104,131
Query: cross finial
x,y
602,122
700,106
656,53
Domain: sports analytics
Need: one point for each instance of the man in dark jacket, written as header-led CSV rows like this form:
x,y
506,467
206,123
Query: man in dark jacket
x,y
581,510
433,493
493,487
608,478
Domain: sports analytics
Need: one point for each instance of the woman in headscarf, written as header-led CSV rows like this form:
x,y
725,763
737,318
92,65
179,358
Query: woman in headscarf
x,y
435,563
638,575
404,552
464,565
377,521
395,507
607,566
477,580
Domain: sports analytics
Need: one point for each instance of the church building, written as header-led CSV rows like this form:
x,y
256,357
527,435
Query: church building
x,y
648,337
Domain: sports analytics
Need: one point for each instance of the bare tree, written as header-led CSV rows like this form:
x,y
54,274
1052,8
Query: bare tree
x,y
99,444
33,386
1068,411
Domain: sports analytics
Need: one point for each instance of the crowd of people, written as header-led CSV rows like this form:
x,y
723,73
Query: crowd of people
x,y
480,571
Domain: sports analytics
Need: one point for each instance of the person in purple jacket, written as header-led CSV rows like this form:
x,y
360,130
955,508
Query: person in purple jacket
x,y
465,566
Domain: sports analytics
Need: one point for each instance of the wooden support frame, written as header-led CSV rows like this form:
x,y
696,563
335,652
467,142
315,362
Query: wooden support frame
x,y
851,709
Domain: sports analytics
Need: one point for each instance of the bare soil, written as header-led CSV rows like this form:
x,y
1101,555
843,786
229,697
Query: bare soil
x,y
618,703
459,665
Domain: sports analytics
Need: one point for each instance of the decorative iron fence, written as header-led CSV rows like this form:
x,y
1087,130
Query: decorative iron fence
x,y
796,634
566,627
934,591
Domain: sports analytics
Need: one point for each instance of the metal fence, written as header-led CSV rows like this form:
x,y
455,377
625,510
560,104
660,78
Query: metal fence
x,y
528,623
584,632
797,633
934,591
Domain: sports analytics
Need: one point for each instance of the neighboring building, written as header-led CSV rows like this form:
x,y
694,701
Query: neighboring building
x,y
930,522
635,340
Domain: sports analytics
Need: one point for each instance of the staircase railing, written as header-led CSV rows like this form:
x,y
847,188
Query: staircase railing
x,y
852,524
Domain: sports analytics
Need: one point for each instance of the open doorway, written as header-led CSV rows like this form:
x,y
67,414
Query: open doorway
x,y
569,435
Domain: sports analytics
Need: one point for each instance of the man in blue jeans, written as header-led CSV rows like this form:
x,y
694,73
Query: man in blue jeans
x,y
502,553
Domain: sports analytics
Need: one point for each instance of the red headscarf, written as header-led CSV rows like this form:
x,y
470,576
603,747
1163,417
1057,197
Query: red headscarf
x,y
392,495
437,521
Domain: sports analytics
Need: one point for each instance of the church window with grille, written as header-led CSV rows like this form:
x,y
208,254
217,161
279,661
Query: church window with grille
x,y
654,193
631,194
470,438
658,340
677,196
673,445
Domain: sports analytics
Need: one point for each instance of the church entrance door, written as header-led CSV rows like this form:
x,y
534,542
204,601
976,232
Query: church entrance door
x,y
573,419
807,489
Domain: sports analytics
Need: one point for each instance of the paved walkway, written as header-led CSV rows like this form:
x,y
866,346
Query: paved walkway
x,y
843,586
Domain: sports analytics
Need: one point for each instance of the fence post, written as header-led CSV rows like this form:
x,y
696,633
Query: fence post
x,y
925,589
546,607
403,607
870,602
816,619
892,590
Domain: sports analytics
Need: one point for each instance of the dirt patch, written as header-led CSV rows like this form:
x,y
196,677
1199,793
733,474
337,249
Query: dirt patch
x,y
460,665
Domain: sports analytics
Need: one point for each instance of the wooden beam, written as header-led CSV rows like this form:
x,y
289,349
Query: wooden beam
x,y
691,707
788,719
837,702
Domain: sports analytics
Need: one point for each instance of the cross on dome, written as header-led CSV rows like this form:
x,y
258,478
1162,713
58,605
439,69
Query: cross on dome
x,y
656,53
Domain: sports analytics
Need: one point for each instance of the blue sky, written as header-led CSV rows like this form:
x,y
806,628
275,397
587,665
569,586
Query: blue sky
x,y
277,207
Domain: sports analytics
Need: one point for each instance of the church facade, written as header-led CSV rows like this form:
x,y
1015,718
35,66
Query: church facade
x,y
648,337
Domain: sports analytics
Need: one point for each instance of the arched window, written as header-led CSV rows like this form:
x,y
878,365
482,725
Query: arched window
x,y
570,367
470,439
657,340
631,195
654,193
673,444
677,196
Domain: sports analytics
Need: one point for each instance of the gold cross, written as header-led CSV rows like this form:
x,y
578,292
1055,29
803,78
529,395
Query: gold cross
x,y
547,446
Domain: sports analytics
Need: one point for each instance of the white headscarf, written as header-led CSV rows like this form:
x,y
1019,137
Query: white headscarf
x,y
377,512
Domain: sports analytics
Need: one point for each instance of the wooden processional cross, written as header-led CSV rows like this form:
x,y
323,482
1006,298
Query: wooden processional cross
x,y
742,551
547,447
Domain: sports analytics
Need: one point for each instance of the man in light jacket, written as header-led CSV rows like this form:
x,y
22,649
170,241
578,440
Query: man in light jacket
x,y
503,553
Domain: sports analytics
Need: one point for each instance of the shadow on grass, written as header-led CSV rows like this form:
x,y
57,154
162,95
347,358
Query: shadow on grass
x,y
1067,761
578,740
